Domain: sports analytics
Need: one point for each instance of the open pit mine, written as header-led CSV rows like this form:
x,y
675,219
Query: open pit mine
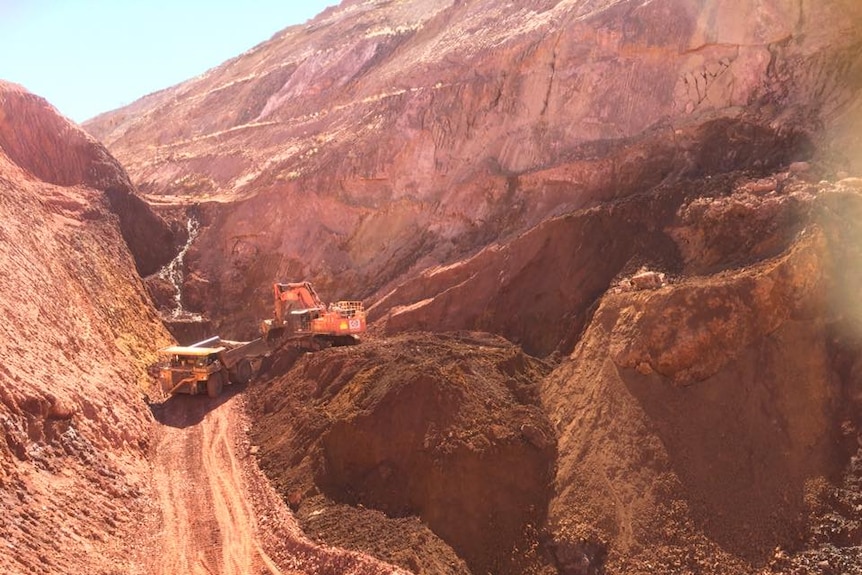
x,y
447,287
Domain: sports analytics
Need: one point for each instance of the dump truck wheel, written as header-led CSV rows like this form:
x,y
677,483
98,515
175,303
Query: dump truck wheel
x,y
214,384
243,371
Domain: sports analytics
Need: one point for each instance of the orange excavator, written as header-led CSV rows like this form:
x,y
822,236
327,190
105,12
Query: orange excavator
x,y
300,315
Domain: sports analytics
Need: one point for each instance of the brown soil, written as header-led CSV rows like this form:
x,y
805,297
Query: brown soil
x,y
695,416
76,335
215,512
701,423
833,542
88,482
431,426
404,541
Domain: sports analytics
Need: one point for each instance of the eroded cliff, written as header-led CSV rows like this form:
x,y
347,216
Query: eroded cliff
x,y
77,335
614,186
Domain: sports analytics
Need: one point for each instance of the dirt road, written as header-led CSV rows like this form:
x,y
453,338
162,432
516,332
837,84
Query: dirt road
x,y
208,520
218,513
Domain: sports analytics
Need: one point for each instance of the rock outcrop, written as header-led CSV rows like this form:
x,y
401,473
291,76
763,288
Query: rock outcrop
x,y
698,422
699,419
702,421
652,195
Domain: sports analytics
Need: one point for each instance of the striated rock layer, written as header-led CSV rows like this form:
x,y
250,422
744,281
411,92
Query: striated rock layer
x,y
54,150
383,138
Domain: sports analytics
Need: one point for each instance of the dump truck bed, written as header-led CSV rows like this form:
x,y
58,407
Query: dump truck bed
x,y
255,348
192,351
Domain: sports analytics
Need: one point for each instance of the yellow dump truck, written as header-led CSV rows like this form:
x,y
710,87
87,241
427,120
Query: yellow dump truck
x,y
198,368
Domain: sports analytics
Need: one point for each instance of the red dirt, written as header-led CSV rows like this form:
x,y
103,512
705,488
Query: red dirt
x,y
56,151
216,513
89,483
694,418
431,426
76,335
702,422
386,138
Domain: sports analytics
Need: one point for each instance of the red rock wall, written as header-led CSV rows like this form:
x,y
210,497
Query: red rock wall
x,y
56,151
77,335
378,141
696,419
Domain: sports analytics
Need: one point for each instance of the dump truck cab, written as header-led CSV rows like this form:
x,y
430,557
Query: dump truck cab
x,y
192,370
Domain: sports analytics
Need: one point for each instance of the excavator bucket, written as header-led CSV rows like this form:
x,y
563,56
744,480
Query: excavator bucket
x,y
275,334
272,333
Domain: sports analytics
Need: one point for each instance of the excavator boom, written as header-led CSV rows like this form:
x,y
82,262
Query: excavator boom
x,y
298,295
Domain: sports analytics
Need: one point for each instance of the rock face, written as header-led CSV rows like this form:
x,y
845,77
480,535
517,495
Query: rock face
x,y
726,398
384,138
77,335
695,417
54,150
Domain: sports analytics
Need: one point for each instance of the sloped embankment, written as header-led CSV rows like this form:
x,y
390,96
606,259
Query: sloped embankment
x,y
56,151
445,428
77,334
383,138
703,422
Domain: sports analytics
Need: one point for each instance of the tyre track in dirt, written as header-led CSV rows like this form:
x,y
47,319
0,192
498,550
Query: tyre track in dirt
x,y
217,513
240,549
208,524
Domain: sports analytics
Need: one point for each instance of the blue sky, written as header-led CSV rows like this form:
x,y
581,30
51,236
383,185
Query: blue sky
x,y
90,56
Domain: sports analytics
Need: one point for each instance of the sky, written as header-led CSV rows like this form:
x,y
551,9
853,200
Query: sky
x,y
91,56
